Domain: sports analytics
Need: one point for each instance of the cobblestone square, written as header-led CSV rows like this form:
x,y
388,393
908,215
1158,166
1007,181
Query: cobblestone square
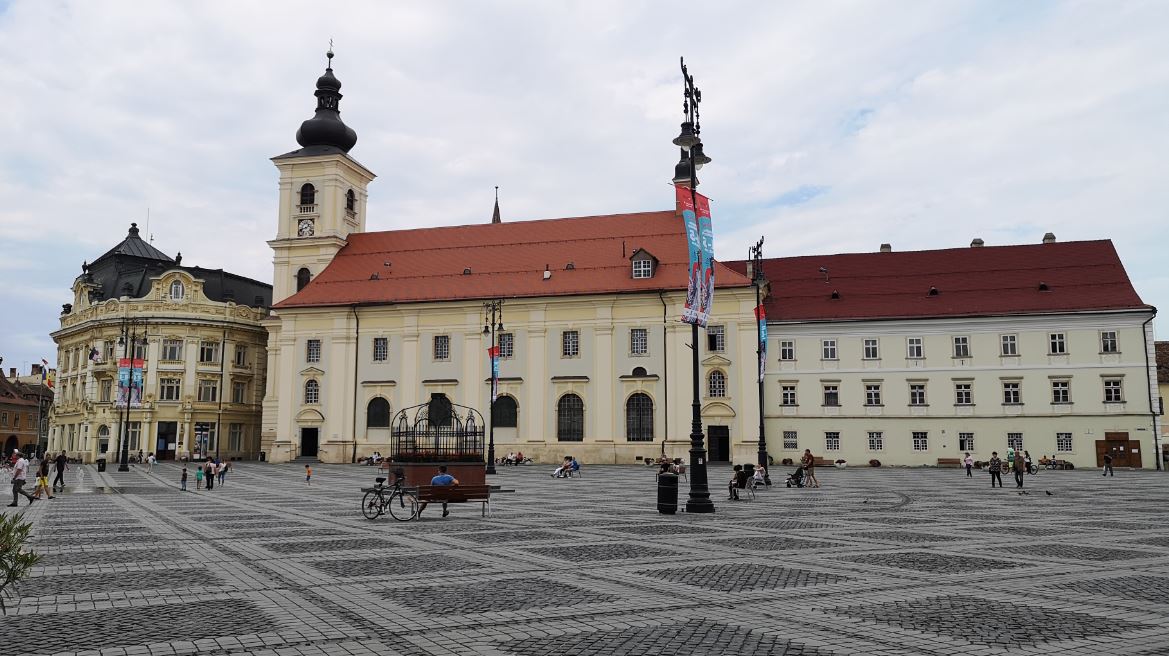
x,y
878,561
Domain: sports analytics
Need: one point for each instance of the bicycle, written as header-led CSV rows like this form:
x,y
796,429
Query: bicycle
x,y
401,503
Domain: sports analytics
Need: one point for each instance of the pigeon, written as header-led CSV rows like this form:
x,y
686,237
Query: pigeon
x,y
1048,492
866,500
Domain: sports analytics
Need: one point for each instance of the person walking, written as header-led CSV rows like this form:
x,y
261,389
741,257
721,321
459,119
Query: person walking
x,y
19,478
198,477
183,480
1020,469
150,462
996,469
209,474
62,463
1108,464
969,462
308,475
43,480
223,467
442,479
808,462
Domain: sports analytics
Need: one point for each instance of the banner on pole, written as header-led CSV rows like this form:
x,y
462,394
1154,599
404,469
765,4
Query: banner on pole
x,y
493,353
693,288
761,317
706,237
130,382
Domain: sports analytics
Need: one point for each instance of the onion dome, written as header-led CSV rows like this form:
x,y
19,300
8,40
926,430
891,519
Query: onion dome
x,y
326,128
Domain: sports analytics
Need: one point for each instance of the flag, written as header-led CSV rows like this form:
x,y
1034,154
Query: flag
x,y
493,353
706,237
761,317
45,379
693,290
94,354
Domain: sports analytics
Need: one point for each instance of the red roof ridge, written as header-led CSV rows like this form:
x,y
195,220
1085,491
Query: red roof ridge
x,y
503,225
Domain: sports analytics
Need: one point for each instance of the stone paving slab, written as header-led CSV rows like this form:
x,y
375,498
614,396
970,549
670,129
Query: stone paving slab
x,y
878,561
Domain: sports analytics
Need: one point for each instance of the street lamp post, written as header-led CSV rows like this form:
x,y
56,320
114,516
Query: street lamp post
x,y
129,342
755,255
691,144
493,326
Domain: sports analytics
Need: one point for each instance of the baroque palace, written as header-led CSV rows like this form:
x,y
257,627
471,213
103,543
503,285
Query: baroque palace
x,y
169,357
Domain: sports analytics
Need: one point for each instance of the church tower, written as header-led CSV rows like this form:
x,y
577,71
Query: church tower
x,y
322,193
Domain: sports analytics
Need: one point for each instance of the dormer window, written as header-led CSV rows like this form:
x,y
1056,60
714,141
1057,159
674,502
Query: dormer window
x,y
642,268
176,290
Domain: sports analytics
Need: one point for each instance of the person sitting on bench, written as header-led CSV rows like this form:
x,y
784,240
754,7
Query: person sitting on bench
x,y
562,470
738,482
443,479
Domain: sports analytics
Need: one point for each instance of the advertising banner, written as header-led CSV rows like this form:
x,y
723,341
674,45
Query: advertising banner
x,y
693,289
761,317
130,382
493,353
706,237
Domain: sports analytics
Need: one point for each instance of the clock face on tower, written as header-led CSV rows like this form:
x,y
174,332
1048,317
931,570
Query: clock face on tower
x,y
305,229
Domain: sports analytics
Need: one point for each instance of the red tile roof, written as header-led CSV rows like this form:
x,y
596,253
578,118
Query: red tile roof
x,y
992,280
506,260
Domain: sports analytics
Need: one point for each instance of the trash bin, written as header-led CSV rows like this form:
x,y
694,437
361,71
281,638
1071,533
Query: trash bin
x,y
101,464
667,494
263,456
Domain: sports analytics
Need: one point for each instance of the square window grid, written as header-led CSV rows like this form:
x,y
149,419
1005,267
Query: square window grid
x,y
787,395
963,394
442,347
871,350
961,347
832,441
789,440
1063,442
716,338
914,348
876,441
642,268
787,350
1108,342
313,350
1010,345
921,441
1058,344
1113,391
917,394
638,341
872,395
506,345
1015,441
569,344
828,349
1061,391
381,349
717,384
966,441
1012,394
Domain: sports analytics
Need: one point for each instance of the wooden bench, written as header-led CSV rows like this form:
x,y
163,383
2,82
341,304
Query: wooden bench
x,y
824,462
950,462
457,494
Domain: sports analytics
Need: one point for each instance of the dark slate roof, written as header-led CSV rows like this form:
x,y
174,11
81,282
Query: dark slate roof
x,y
126,270
1162,361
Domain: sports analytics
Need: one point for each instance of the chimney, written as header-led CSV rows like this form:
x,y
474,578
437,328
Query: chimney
x,y
886,248
977,243
1049,238
36,369
12,372
751,269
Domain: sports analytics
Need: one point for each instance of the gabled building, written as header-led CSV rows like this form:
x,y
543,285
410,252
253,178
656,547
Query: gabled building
x,y
915,357
23,407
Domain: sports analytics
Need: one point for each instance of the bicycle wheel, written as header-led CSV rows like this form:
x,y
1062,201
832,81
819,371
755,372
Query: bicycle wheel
x,y
371,504
403,506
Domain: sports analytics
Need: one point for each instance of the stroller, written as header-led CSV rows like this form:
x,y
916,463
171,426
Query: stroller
x,y
796,478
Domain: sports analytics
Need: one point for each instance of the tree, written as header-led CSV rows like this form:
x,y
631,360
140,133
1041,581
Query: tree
x,y
15,560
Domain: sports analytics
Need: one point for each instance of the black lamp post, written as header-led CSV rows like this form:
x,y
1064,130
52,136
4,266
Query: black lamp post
x,y
755,255
493,326
129,341
693,158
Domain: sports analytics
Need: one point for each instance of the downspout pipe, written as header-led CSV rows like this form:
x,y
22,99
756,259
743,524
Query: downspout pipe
x,y
665,376
356,360
1149,380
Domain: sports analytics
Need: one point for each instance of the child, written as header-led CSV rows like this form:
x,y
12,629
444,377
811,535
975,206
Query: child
x,y
198,478
183,480
308,475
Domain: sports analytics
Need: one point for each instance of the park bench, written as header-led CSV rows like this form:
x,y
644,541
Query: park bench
x,y
950,462
824,462
457,494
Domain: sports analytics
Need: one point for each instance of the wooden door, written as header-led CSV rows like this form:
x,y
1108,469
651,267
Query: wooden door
x,y
1134,454
719,443
308,442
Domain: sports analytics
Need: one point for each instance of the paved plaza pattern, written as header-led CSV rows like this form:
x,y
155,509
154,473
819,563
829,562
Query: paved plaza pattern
x,y
878,561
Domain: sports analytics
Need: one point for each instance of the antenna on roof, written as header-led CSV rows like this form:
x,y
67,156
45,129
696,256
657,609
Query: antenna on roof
x,y
824,270
149,235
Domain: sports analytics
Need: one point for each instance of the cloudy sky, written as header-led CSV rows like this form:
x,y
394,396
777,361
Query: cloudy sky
x,y
834,126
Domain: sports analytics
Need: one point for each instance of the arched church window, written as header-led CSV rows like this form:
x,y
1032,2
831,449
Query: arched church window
x,y
308,194
312,392
639,418
506,412
302,278
377,413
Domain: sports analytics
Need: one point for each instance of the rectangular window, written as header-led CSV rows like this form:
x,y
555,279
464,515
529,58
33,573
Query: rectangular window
x,y
876,441
716,339
312,350
914,348
787,395
872,394
963,394
3,418
787,350
172,350
1061,391
1113,390
921,441
109,351
169,389
1012,393
1108,342
966,441
1063,442
381,349
570,344
1058,344
16,420
961,347
208,351
917,394
1015,441
139,350
206,435
639,341
642,268
789,440
239,392
134,434
208,390
105,391
832,441
1010,344
235,436
442,347
828,349
871,351
506,345
241,355
831,395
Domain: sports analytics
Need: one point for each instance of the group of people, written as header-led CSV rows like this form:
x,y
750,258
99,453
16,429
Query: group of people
x,y
566,468
513,458
375,459
20,468
206,472
740,476
1019,463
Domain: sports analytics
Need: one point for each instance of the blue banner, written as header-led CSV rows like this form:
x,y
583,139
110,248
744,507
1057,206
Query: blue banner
x,y
694,287
706,235
761,317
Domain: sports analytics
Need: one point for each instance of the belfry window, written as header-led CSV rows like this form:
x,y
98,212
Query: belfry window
x,y
302,278
350,202
308,195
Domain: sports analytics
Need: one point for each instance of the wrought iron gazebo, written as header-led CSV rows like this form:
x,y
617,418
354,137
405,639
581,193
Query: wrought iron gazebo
x,y
437,431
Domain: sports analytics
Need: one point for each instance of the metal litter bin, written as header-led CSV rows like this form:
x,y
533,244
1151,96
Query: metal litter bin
x,y
667,494
101,464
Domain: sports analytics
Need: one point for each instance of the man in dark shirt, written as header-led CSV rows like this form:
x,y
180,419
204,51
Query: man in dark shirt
x,y
62,463
1108,464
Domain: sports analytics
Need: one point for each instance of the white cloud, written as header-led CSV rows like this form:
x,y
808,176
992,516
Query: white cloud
x,y
923,124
